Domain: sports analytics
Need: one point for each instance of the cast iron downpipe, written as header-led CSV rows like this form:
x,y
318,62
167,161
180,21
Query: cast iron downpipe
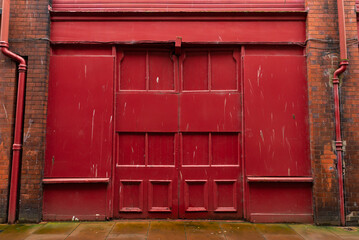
x,y
338,138
17,146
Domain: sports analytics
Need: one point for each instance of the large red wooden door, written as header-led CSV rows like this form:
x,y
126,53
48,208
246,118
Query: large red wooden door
x,y
146,134
178,134
209,126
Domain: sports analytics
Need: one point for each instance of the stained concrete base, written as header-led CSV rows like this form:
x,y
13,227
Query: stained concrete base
x,y
173,230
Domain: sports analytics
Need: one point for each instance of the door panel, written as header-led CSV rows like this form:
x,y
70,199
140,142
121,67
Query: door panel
x,y
147,135
79,122
210,112
210,133
276,137
79,138
276,114
152,112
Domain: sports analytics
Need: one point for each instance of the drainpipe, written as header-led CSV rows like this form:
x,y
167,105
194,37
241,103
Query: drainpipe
x,y
338,139
17,146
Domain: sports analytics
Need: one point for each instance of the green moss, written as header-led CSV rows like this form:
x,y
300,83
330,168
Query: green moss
x,y
19,228
57,228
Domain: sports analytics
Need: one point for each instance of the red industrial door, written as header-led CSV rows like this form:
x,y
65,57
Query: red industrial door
x,y
178,134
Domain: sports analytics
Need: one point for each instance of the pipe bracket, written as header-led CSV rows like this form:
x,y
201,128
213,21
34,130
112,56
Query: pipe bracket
x,y
17,146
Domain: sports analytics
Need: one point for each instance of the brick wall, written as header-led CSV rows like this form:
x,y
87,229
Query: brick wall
x,y
350,116
29,31
323,57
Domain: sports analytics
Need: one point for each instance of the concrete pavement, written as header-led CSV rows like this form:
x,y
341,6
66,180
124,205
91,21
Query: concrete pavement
x,y
173,230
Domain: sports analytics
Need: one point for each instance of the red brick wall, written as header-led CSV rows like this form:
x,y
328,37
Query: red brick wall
x,y
29,31
323,57
350,118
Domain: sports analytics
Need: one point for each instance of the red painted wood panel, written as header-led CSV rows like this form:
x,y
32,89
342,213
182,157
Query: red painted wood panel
x,y
289,202
178,5
79,119
210,112
63,202
276,116
200,31
141,112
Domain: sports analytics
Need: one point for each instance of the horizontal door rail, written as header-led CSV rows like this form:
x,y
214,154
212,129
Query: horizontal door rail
x,y
279,179
75,180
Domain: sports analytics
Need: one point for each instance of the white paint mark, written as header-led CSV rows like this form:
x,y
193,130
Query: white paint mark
x,y
157,79
283,130
27,135
93,121
132,150
220,38
285,107
261,133
7,117
259,74
111,119
288,171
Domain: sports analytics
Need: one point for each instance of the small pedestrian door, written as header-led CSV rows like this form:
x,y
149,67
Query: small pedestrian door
x,y
178,133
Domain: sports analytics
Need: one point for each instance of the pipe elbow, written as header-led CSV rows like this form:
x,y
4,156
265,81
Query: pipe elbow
x,y
342,68
5,50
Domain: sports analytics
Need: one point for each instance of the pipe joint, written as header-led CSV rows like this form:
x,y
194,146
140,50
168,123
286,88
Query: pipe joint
x,y
16,147
22,67
339,146
4,44
344,62
335,80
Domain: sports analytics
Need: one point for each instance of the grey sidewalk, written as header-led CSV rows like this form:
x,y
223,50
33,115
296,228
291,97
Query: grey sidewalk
x,y
173,230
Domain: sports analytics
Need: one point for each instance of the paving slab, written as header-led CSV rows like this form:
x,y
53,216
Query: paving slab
x,y
278,232
346,233
204,230
18,231
91,231
129,231
163,230
53,231
3,226
310,232
234,231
